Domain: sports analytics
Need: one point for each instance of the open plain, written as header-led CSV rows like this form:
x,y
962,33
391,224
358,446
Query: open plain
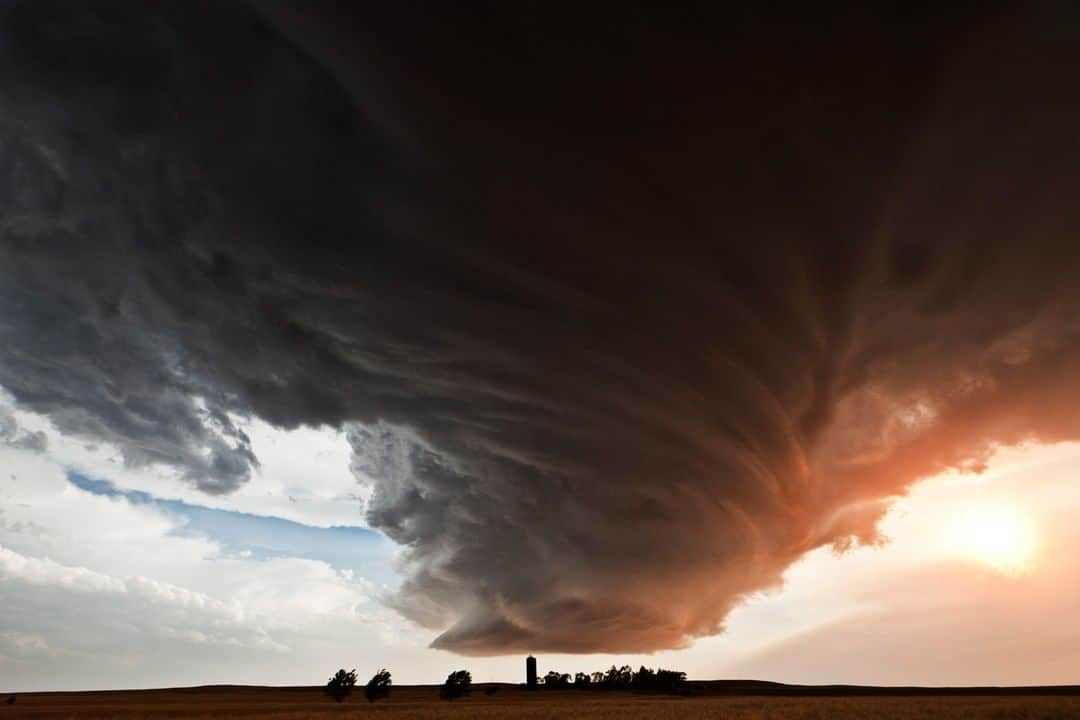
x,y
513,702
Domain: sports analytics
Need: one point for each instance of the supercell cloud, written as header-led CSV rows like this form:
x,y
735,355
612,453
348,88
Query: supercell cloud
x,y
622,314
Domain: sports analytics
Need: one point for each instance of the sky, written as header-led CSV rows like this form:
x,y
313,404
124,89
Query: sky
x,y
425,337
113,578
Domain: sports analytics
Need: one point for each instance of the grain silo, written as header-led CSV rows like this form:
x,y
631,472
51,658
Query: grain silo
x,y
530,671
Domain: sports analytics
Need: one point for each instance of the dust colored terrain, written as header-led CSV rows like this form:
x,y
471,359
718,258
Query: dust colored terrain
x,y
714,700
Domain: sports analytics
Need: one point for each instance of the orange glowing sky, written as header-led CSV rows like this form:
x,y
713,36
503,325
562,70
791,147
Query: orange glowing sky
x,y
975,584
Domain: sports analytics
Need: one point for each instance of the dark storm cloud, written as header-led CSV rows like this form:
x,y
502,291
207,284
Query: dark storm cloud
x,y
622,313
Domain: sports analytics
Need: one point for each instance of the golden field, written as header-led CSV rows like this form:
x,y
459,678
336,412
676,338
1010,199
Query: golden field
x,y
513,702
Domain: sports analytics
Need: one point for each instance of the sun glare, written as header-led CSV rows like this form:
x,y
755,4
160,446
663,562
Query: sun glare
x,y
997,536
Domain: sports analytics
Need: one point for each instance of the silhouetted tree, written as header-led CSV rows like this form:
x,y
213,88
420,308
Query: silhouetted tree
x,y
341,685
582,679
669,680
619,678
644,679
556,680
597,678
457,683
378,686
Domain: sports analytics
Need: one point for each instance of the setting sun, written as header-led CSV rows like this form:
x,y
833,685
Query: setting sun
x,y
997,536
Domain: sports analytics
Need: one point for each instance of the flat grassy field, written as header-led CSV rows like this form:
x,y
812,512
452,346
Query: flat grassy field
x,y
513,702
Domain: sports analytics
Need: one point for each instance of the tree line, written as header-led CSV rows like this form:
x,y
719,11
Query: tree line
x,y
618,678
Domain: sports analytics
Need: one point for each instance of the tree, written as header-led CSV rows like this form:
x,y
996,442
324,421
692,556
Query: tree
x,y
582,679
457,683
669,680
341,685
378,686
644,679
556,680
619,678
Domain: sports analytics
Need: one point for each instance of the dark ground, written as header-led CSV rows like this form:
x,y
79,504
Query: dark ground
x,y
736,699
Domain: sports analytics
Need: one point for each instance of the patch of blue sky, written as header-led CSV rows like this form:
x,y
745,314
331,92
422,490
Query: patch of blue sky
x,y
361,550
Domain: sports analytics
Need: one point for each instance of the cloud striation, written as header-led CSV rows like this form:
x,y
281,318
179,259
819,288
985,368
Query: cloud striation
x,y
622,312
